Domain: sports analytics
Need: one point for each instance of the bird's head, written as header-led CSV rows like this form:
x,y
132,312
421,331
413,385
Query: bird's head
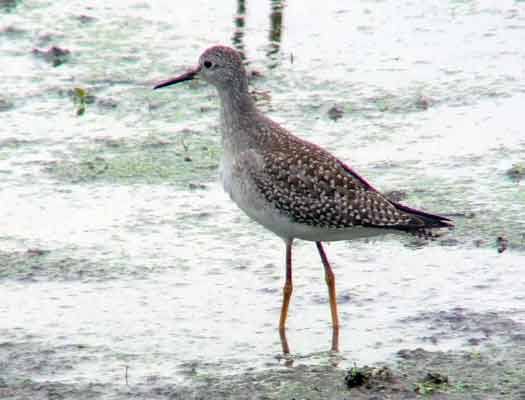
x,y
219,65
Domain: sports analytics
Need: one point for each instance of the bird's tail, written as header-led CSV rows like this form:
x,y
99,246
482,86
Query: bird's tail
x,y
430,220
425,224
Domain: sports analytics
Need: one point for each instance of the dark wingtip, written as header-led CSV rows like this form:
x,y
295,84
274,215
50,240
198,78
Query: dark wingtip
x,y
431,221
422,220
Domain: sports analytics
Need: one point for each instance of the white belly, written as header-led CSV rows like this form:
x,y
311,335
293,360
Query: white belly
x,y
257,208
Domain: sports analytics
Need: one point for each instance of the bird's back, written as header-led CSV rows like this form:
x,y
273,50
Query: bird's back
x,y
311,187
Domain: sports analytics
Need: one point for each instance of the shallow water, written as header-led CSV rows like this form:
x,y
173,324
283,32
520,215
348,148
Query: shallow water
x,y
119,247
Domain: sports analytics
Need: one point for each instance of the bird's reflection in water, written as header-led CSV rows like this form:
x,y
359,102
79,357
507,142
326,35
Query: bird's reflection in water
x,y
334,357
275,31
238,33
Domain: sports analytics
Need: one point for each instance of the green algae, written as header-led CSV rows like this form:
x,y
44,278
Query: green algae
x,y
59,265
80,96
151,160
37,264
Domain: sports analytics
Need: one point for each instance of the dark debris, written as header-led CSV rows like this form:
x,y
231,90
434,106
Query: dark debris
x,y
54,55
336,112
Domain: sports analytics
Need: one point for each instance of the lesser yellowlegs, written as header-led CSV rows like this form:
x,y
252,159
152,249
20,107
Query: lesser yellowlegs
x,y
293,187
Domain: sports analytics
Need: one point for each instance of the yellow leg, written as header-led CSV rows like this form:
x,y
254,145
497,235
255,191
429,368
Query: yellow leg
x,y
284,341
335,338
330,282
287,294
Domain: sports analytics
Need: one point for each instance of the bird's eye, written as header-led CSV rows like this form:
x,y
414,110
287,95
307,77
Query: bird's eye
x,y
207,64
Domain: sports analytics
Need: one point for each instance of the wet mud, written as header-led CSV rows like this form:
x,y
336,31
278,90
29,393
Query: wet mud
x,y
489,368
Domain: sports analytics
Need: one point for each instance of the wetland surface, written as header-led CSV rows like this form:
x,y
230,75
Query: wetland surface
x,y
125,271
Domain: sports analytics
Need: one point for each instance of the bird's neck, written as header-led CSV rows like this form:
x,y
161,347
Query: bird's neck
x,y
238,114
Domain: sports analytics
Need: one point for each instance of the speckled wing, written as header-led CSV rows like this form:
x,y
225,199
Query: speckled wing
x,y
314,188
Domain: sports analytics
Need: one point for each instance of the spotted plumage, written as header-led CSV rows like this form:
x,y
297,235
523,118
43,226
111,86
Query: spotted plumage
x,y
310,186
281,180
290,186
314,188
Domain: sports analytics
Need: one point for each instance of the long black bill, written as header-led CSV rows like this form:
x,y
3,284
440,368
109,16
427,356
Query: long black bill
x,y
188,76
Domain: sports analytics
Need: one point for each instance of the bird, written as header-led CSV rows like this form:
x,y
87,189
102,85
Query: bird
x,y
292,187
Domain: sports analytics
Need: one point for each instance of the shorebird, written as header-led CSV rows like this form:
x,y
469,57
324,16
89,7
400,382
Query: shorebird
x,y
293,187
